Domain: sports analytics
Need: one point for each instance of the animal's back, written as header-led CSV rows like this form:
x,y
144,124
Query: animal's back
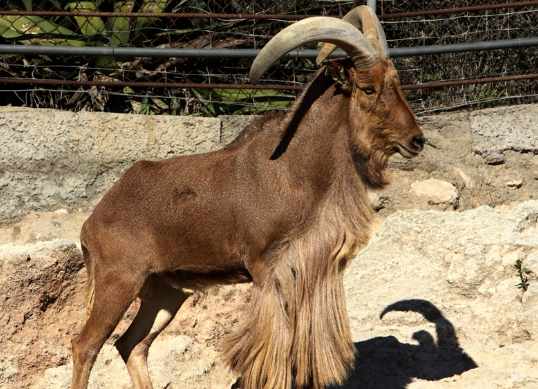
x,y
202,213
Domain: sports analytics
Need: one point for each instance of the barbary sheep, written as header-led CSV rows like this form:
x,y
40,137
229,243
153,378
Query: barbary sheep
x,y
284,206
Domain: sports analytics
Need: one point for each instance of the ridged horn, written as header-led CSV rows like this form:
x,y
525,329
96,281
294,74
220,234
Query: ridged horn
x,y
311,30
365,19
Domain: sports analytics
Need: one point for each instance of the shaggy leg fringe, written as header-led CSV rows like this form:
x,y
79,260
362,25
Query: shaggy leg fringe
x,y
297,328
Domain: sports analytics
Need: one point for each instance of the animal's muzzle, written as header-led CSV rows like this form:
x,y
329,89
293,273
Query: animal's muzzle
x,y
418,142
412,147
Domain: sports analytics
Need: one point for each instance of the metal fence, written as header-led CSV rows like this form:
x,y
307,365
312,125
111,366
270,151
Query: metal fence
x,y
174,83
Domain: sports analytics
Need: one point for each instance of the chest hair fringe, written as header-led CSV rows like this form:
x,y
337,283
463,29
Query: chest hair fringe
x,y
297,329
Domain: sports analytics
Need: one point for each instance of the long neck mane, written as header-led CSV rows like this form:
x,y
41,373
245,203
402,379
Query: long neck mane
x,y
316,134
298,324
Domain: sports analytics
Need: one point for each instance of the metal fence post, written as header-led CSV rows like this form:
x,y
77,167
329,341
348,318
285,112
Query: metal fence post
x,y
372,4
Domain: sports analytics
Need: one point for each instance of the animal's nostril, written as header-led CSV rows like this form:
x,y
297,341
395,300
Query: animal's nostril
x,y
418,141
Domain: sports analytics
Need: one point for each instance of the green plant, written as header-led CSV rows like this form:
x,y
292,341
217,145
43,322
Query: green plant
x,y
79,30
145,108
523,284
242,101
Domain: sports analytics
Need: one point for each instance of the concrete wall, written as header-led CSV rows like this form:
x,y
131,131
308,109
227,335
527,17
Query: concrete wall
x,y
51,159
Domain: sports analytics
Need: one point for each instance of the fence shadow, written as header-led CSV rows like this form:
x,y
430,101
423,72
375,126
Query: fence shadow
x,y
386,363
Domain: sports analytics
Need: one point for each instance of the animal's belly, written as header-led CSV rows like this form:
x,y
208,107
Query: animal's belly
x,y
190,282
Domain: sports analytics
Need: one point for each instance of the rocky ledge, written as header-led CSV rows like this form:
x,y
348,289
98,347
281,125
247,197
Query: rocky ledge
x,y
434,302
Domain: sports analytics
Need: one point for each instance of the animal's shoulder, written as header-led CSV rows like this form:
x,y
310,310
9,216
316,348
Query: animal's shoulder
x,y
260,124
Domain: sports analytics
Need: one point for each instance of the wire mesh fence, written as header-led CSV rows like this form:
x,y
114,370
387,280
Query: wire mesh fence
x,y
75,82
470,26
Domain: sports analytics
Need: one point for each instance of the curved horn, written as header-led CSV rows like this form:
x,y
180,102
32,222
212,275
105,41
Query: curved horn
x,y
365,19
316,29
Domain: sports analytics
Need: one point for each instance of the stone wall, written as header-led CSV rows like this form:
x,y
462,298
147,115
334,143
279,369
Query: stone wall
x,y
485,157
52,160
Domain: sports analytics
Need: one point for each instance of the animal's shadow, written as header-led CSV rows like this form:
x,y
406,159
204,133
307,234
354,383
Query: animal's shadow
x,y
386,363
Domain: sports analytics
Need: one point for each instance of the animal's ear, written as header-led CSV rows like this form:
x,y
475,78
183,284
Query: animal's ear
x,y
340,74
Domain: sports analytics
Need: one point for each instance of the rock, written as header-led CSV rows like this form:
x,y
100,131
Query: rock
x,y
40,295
509,128
495,159
530,296
466,179
173,362
42,309
531,263
51,159
437,191
232,125
434,303
43,227
378,201
514,184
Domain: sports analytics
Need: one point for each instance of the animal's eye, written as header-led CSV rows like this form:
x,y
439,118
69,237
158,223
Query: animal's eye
x,y
369,90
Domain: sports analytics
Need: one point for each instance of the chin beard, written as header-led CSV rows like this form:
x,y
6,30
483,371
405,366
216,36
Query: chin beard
x,y
371,167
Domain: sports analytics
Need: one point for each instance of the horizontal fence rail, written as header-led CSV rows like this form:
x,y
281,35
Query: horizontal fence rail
x,y
249,86
264,16
252,53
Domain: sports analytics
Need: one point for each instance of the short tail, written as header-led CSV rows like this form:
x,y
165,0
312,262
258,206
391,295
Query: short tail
x,y
90,283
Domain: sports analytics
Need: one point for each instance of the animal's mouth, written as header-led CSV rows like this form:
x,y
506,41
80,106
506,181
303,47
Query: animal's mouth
x,y
407,153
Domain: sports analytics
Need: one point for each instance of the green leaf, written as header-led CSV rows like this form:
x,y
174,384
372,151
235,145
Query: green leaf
x,y
6,28
106,62
175,106
187,30
154,6
27,5
205,95
243,94
14,26
234,101
118,28
145,108
89,25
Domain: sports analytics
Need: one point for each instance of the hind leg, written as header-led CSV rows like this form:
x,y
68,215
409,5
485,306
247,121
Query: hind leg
x,y
157,309
109,305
